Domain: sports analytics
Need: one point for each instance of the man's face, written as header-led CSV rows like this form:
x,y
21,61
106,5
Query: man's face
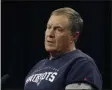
x,y
57,35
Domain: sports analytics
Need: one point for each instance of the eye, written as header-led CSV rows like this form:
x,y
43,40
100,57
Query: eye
x,y
59,29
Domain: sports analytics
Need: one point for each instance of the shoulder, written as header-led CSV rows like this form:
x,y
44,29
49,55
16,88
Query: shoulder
x,y
84,69
37,65
81,57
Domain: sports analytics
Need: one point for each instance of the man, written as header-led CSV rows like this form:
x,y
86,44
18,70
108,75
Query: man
x,y
66,67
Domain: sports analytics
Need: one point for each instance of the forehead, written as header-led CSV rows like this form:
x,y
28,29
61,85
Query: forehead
x,y
60,20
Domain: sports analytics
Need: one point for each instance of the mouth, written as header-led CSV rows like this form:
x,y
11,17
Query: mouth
x,y
50,41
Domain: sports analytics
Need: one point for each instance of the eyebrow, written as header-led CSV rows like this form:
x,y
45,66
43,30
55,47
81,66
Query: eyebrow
x,y
58,25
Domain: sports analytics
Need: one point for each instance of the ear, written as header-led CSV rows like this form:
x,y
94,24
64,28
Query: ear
x,y
75,36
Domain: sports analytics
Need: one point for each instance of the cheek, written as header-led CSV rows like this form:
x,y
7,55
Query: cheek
x,y
62,41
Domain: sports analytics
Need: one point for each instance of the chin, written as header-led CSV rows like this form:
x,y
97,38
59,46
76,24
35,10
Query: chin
x,y
50,49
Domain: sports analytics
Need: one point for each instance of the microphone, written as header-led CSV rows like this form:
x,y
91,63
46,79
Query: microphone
x,y
4,79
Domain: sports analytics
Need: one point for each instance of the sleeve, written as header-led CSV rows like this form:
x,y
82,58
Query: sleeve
x,y
84,71
79,86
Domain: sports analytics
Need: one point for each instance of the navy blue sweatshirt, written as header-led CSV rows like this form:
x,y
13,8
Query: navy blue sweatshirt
x,y
65,69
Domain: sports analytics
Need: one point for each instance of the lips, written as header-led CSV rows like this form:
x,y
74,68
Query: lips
x,y
50,41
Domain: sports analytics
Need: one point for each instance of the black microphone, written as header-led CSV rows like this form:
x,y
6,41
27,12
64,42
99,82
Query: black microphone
x,y
4,79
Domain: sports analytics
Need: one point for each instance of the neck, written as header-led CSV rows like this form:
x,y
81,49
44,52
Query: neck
x,y
54,54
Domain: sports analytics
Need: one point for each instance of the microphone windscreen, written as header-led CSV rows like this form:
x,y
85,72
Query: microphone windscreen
x,y
4,78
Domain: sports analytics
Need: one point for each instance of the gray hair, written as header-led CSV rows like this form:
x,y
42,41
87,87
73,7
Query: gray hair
x,y
76,21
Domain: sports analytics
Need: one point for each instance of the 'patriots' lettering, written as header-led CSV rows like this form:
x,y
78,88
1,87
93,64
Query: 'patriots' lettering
x,y
33,78
48,75
52,77
37,78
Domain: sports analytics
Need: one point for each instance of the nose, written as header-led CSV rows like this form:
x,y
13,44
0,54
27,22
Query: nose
x,y
50,33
